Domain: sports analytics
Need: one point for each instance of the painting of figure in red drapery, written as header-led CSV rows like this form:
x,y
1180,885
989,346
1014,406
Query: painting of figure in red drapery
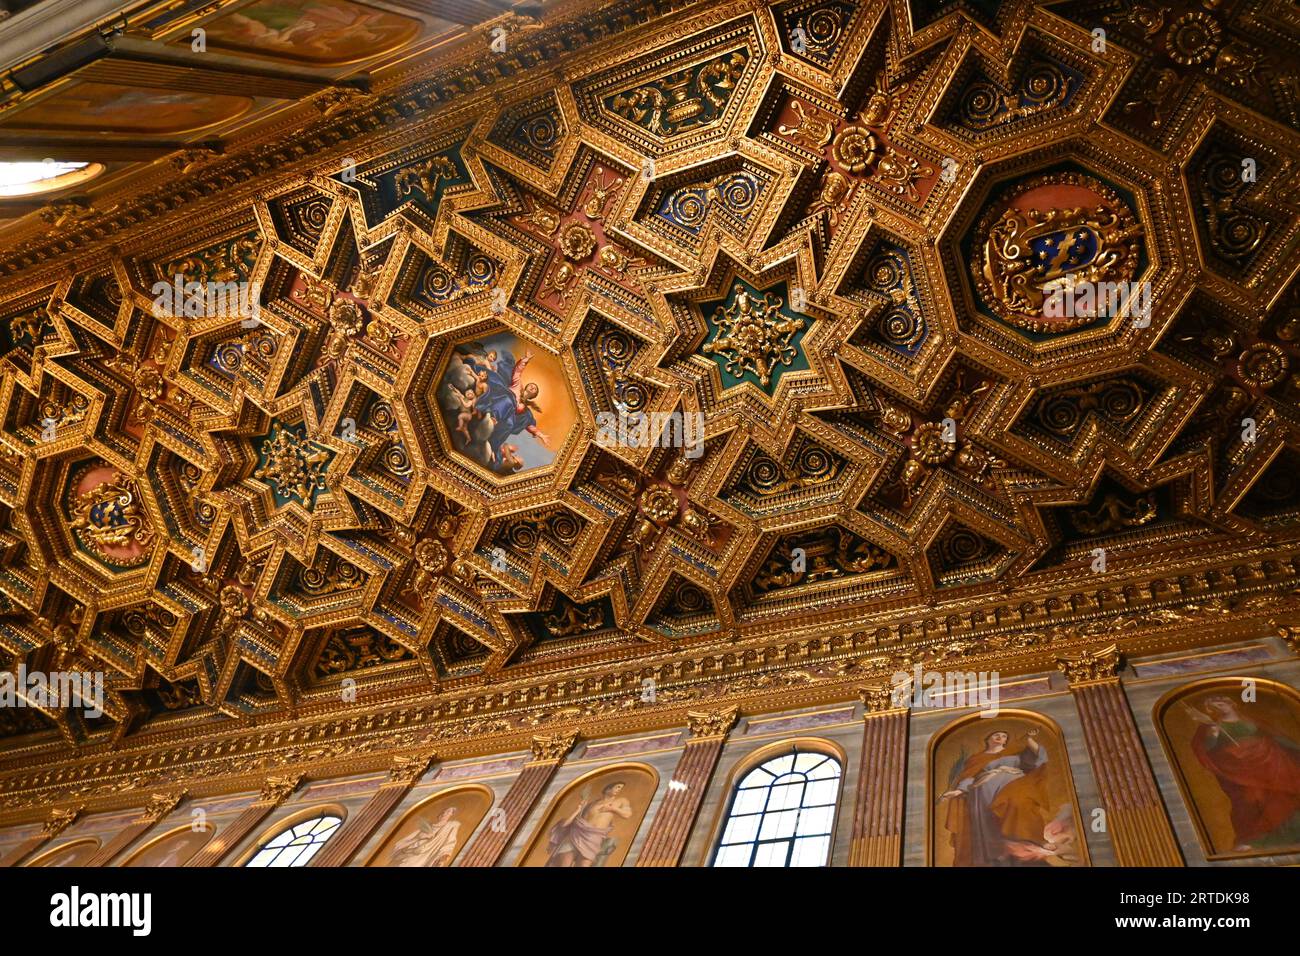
x,y
1256,764
1234,743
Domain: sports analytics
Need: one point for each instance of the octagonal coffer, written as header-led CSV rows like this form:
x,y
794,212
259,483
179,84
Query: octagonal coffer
x,y
504,404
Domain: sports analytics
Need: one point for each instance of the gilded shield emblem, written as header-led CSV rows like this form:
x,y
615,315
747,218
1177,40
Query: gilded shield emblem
x,y
1050,239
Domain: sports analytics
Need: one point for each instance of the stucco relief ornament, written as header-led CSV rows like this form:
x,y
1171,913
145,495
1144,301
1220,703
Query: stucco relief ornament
x,y
109,517
571,620
929,444
833,196
425,176
753,335
577,241
658,507
856,149
601,190
433,561
899,173
234,605
1053,239
294,466
814,130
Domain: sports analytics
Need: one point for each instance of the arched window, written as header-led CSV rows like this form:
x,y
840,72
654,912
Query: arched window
x,y
29,179
295,845
782,812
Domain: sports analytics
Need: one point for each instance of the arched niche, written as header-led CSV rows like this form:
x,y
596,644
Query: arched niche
x,y
74,853
173,848
1234,745
593,821
1000,793
435,830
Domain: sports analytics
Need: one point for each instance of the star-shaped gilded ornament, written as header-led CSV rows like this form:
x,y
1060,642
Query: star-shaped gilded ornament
x,y
757,341
291,492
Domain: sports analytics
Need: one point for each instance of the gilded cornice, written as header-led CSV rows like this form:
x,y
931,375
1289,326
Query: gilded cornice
x,y
812,671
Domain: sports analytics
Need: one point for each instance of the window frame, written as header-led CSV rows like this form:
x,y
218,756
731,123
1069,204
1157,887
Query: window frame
x,y
760,758
288,823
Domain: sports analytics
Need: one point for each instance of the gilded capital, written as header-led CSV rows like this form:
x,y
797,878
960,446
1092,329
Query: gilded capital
x,y
1291,635
1099,664
277,789
879,698
407,769
58,821
553,747
161,804
712,723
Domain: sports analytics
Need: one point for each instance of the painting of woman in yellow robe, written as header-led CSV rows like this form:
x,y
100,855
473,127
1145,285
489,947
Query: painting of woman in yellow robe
x,y
1005,797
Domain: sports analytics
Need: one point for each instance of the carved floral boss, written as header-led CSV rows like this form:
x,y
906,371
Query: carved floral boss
x,y
754,336
578,238
661,503
854,150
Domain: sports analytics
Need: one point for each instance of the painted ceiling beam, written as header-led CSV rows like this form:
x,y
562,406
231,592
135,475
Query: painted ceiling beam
x,y
47,24
132,61
470,12
28,147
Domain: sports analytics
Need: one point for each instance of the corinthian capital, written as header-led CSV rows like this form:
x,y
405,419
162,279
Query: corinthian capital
x,y
277,788
1098,664
879,698
1291,635
407,770
553,747
58,821
712,723
161,804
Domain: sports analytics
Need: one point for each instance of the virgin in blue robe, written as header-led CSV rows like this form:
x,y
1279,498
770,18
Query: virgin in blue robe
x,y
500,402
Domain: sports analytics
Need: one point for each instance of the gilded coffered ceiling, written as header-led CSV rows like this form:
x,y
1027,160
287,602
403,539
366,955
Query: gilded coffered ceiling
x,y
801,254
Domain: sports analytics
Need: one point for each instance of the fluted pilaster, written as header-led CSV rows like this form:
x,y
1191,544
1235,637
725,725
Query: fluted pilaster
x,y
882,780
159,806
668,834
55,823
275,791
341,847
1136,819
491,842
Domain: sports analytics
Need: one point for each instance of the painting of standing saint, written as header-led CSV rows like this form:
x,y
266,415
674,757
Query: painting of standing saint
x,y
505,404
435,830
593,821
1235,746
1003,795
171,849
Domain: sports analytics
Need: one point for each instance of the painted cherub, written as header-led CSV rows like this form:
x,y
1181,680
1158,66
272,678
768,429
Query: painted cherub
x,y
467,410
